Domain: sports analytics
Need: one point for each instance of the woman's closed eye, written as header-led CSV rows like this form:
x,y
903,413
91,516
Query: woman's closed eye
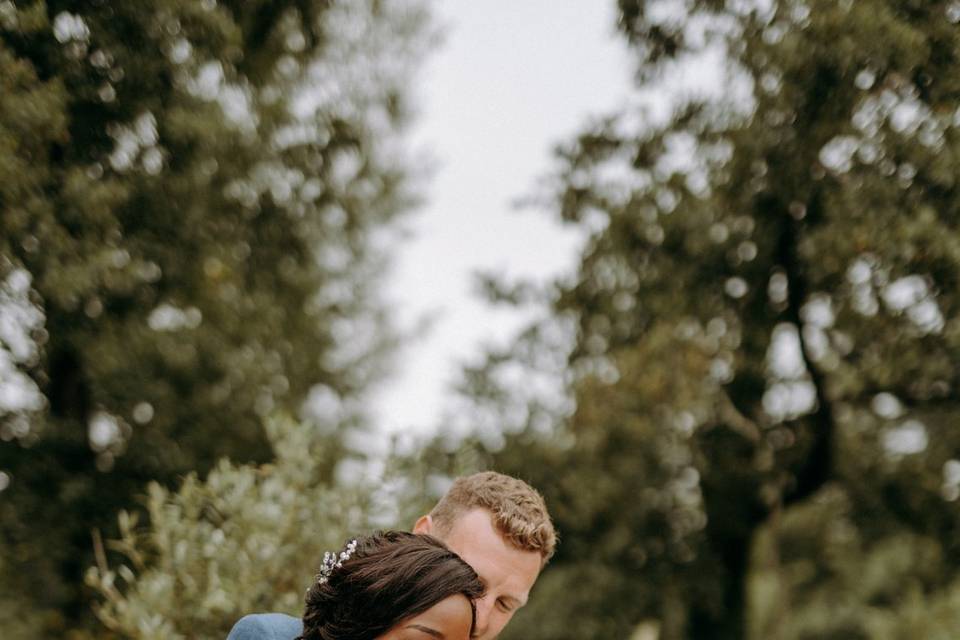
x,y
422,631
504,606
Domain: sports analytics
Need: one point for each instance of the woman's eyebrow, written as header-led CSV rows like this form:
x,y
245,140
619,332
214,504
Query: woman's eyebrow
x,y
427,630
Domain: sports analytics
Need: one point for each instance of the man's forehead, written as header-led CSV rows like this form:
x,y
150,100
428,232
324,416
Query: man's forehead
x,y
474,531
504,568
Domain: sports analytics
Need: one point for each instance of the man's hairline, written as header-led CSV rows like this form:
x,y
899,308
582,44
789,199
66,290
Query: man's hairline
x,y
443,530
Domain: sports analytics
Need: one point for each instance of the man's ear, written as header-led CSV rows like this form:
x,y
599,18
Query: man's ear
x,y
424,525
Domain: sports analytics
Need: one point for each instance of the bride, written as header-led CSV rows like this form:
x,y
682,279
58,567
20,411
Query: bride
x,y
387,586
392,586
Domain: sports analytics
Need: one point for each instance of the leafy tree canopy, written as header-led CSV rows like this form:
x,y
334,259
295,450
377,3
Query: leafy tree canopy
x,y
195,197
760,349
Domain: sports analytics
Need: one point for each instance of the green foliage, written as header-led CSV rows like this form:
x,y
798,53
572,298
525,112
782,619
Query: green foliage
x,y
247,538
762,340
194,199
840,585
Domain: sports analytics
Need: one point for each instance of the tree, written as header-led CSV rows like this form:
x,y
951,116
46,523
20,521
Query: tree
x,y
764,335
195,198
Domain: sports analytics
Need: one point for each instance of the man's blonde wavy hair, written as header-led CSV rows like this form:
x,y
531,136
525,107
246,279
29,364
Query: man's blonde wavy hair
x,y
518,510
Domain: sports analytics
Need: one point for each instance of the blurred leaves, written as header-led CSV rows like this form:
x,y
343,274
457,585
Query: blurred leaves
x,y
761,383
196,198
244,539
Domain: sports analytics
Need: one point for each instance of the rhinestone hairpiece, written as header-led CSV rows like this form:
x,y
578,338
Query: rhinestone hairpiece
x,y
333,560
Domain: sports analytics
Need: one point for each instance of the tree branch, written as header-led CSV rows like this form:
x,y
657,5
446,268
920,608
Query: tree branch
x,y
816,468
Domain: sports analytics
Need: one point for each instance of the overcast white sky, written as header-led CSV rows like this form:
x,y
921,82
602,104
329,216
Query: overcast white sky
x,y
512,79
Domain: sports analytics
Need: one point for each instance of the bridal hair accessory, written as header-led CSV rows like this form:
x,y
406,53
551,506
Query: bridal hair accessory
x,y
332,560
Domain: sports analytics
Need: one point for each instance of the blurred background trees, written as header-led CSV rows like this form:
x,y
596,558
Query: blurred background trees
x,y
763,336
196,199
741,408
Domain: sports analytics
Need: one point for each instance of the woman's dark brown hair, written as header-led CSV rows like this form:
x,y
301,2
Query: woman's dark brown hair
x,y
391,576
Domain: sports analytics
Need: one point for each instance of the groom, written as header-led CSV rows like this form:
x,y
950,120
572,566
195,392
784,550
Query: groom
x,y
498,524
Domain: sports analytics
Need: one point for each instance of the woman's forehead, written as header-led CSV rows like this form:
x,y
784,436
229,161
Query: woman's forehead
x,y
449,619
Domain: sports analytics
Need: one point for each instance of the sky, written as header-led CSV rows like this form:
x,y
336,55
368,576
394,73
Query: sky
x,y
510,81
